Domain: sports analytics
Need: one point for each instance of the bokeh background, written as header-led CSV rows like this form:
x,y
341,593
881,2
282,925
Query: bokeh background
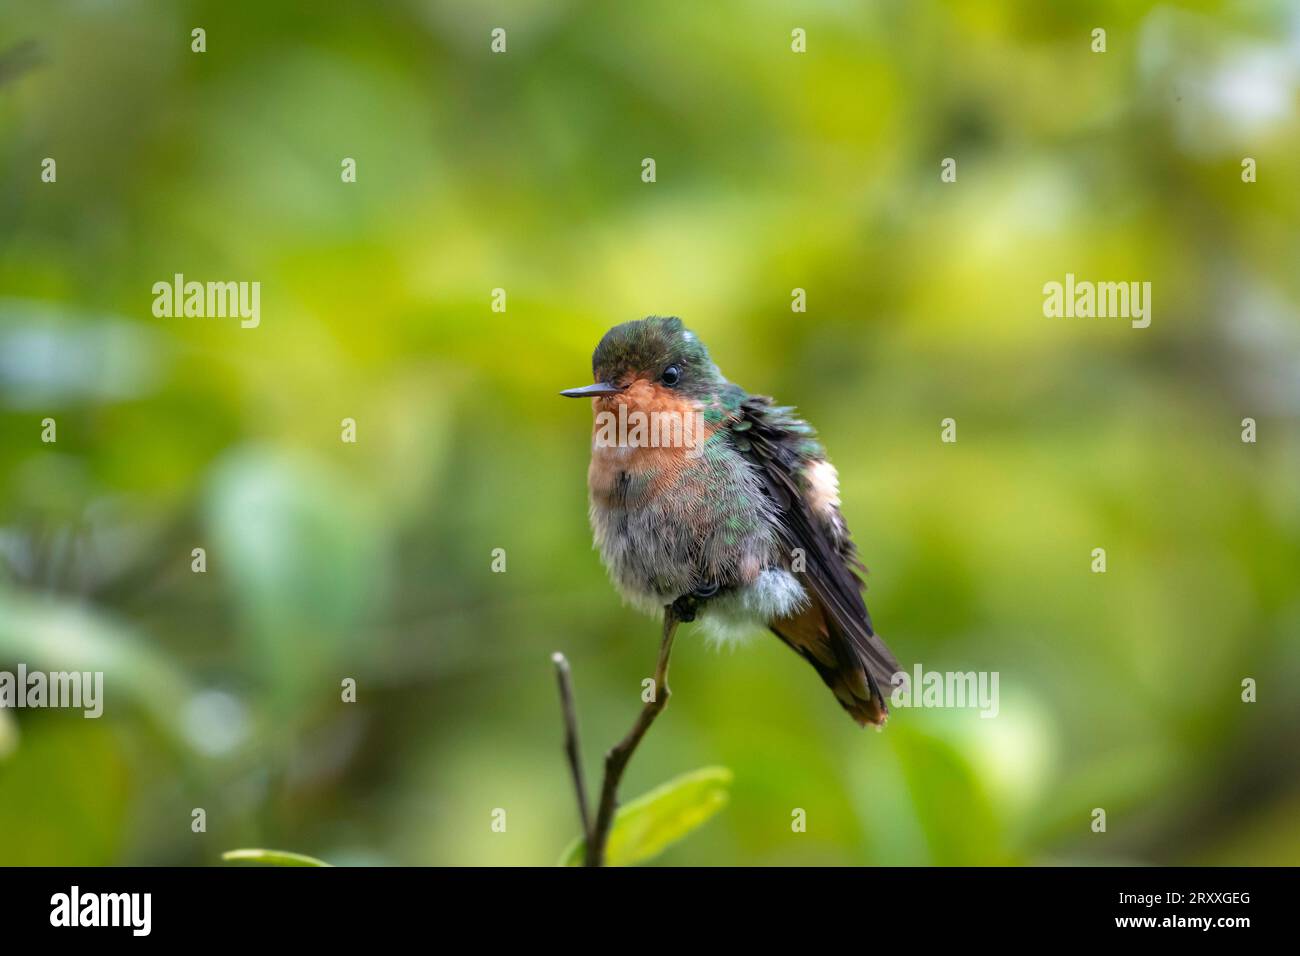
x,y
521,171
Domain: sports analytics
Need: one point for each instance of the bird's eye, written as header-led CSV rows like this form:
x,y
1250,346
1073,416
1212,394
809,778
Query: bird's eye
x,y
672,375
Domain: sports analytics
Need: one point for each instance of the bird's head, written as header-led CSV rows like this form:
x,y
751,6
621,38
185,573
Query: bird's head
x,y
657,353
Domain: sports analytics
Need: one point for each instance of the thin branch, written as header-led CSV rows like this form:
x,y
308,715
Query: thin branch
x,y
619,755
571,749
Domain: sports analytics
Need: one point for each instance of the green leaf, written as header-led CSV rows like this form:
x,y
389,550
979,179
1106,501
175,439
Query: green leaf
x,y
651,823
273,858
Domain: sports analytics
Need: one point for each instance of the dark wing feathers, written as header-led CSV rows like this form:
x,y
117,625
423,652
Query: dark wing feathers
x,y
782,446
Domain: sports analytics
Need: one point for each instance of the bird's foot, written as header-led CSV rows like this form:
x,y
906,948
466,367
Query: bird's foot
x,y
684,608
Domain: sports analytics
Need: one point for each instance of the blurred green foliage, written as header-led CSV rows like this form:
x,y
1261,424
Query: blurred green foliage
x,y
521,171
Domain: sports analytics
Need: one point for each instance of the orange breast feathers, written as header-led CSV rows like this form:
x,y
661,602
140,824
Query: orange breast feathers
x,y
647,431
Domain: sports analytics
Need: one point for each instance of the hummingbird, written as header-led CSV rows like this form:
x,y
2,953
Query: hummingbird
x,y
721,506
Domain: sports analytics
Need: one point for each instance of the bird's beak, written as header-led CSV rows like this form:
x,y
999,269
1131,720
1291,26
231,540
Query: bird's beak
x,y
592,391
